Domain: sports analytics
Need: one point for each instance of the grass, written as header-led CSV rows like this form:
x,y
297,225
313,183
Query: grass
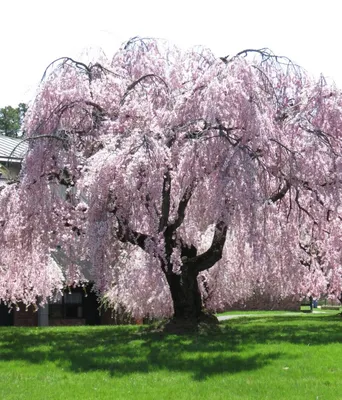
x,y
273,357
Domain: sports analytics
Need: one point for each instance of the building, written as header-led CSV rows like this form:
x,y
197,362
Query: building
x,y
12,151
77,306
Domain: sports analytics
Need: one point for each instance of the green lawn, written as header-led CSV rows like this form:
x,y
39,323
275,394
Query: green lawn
x,y
273,357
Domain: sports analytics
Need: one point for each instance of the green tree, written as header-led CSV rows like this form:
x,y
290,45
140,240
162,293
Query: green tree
x,y
22,108
11,119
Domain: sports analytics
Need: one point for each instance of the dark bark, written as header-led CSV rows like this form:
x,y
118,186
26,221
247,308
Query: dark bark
x,y
166,196
280,193
186,296
187,303
210,257
127,235
185,292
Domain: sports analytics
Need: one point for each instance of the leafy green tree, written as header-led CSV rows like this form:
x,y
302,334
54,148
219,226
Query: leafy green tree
x,y
22,108
11,119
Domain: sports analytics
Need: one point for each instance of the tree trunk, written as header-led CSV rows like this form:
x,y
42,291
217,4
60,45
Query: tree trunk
x,y
187,301
186,296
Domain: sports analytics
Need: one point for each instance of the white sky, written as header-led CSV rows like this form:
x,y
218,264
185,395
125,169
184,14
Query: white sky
x,y
35,32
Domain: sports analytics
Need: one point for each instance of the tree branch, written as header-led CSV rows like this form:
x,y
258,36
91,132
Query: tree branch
x,y
302,208
182,206
165,208
80,65
32,138
265,53
209,258
280,193
135,83
127,235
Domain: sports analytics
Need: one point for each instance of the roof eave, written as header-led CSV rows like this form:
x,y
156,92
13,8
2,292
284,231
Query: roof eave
x,y
13,160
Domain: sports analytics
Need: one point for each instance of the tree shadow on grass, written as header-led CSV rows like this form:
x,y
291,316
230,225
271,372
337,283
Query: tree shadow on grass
x,y
301,329
126,350
241,333
121,350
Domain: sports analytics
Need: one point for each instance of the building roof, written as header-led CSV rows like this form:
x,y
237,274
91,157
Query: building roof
x,y
12,149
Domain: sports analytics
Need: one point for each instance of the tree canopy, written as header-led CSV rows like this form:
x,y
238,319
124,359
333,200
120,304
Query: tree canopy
x,y
11,119
174,179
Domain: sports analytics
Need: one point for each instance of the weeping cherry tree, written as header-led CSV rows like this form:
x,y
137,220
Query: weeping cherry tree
x,y
177,181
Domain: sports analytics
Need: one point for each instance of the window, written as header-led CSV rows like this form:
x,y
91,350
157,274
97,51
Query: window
x,y
68,306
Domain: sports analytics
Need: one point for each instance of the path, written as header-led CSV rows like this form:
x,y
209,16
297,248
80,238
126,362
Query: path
x,y
232,316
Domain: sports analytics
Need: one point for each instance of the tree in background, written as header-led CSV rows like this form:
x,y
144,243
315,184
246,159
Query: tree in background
x,y
11,119
183,179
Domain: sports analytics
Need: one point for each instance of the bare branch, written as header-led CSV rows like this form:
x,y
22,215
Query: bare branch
x,y
138,39
265,53
78,64
142,78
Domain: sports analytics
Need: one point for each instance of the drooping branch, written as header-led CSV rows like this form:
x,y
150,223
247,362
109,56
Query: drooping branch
x,y
78,64
124,232
315,192
92,104
280,193
303,208
31,138
127,235
137,39
289,151
182,205
200,132
88,69
209,258
319,133
166,194
265,54
226,133
141,79
96,114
